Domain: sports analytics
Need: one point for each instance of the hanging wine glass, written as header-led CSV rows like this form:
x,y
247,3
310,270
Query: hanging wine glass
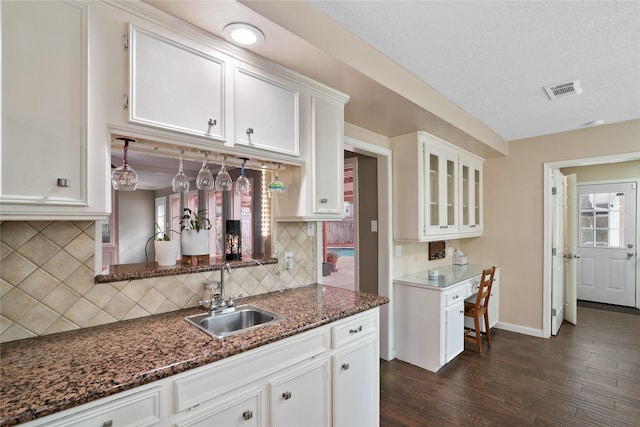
x,y
204,180
180,182
242,183
223,179
276,187
124,178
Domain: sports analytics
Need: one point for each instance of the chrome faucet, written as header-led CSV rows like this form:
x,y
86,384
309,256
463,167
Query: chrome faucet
x,y
217,301
225,267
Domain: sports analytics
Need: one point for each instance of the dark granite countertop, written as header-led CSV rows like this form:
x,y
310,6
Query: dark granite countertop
x,y
117,273
43,375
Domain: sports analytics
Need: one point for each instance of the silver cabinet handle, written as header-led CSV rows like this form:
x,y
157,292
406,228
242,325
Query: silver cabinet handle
x,y
286,395
212,122
345,366
247,415
355,331
107,423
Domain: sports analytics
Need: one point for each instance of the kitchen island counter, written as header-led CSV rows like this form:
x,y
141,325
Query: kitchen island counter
x,y
48,374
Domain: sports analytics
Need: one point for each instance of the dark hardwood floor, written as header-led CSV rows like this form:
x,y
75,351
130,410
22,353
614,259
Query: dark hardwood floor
x,y
588,375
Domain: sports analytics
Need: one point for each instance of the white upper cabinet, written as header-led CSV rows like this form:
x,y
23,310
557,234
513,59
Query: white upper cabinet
x,y
437,189
175,87
315,191
471,195
46,146
266,111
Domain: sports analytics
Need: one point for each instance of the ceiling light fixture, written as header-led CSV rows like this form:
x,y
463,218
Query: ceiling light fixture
x,y
242,34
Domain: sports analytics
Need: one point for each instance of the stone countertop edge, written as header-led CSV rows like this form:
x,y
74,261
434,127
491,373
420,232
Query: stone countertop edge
x,y
122,272
48,374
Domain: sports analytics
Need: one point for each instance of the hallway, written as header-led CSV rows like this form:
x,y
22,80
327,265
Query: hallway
x,y
589,375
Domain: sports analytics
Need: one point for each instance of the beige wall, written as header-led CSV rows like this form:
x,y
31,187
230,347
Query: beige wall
x,y
606,172
513,211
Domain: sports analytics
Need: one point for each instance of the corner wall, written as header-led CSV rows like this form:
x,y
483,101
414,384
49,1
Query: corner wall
x,y
514,211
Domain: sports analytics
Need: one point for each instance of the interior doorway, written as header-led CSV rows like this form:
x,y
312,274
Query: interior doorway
x,y
606,243
340,238
549,167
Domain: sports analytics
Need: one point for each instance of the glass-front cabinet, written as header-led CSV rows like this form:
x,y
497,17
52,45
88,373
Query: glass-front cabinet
x,y
441,215
470,194
437,189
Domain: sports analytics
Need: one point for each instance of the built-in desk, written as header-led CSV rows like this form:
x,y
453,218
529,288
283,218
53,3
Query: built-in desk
x,y
429,313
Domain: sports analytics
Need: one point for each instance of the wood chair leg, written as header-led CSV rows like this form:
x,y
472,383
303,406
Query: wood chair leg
x,y
476,322
486,328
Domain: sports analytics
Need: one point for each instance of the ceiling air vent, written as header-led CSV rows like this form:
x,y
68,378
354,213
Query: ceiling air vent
x,y
560,90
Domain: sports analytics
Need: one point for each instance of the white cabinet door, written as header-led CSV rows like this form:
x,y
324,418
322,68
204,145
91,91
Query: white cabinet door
x,y
470,195
266,110
44,106
139,409
175,87
315,192
441,188
328,157
300,397
356,385
454,330
242,410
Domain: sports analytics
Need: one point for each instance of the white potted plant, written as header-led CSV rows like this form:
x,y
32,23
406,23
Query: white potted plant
x,y
194,228
166,250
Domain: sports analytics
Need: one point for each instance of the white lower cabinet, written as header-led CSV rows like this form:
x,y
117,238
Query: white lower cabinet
x,y
328,375
355,385
299,398
454,324
140,408
242,409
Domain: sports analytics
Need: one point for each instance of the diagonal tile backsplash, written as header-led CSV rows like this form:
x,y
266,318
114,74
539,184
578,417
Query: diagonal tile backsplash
x,y
47,279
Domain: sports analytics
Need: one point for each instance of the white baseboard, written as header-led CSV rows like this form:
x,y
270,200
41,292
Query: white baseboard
x,y
520,329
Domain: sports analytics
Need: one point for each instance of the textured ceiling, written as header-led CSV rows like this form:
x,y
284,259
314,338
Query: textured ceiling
x,y
419,65
492,59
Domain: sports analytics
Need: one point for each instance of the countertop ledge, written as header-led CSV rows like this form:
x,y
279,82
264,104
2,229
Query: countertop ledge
x,y
44,375
118,273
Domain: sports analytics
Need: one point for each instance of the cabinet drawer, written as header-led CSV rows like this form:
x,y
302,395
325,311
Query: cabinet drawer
x,y
139,409
353,329
243,409
458,295
211,381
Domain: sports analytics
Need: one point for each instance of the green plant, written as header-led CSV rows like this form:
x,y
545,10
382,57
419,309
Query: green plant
x,y
194,220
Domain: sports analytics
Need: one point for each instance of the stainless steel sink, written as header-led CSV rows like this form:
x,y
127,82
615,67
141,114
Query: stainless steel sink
x,y
233,320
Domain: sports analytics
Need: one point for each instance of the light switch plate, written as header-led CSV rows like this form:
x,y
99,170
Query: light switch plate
x,y
374,225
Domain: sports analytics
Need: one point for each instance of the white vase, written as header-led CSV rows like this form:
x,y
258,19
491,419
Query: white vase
x,y
166,251
195,242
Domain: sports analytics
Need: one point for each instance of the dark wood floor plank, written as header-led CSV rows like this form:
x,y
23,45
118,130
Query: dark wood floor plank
x,y
588,375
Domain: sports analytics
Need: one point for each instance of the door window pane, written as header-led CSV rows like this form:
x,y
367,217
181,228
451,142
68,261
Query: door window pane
x,y
601,220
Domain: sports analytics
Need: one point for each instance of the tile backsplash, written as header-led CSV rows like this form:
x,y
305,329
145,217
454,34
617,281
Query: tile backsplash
x,y
47,279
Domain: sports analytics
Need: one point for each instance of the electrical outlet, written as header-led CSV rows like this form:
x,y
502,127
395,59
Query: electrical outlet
x,y
310,230
288,261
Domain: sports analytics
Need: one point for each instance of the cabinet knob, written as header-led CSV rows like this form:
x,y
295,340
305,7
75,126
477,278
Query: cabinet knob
x,y
247,415
355,331
345,366
107,423
212,122
286,395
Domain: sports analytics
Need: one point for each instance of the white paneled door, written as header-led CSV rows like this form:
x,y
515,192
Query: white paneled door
x,y
558,227
607,243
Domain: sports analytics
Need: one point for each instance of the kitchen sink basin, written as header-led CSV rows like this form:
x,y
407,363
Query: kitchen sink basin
x,y
233,320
